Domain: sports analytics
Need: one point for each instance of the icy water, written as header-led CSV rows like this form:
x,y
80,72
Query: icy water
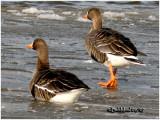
x,y
61,25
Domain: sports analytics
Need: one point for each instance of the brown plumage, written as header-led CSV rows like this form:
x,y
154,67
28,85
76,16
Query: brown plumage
x,y
47,83
105,44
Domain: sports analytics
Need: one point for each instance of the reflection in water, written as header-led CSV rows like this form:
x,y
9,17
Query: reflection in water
x,y
112,90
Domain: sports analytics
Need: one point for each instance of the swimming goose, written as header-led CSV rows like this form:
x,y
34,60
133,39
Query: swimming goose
x,y
53,85
109,47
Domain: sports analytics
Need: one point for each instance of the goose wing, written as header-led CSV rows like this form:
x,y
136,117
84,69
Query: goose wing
x,y
112,42
51,82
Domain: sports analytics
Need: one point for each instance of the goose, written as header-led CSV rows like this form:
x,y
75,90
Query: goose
x,y
53,85
109,47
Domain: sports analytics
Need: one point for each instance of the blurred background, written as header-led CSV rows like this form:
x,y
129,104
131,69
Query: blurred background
x,y
61,25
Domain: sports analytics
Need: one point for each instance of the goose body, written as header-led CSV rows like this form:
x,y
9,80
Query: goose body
x,y
53,85
109,47
106,45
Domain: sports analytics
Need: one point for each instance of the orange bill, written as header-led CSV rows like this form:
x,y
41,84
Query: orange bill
x,y
85,17
30,45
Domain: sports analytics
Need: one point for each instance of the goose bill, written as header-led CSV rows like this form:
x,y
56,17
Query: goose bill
x,y
85,16
30,45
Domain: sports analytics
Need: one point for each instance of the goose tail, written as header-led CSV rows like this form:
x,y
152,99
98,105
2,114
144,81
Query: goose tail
x,y
134,61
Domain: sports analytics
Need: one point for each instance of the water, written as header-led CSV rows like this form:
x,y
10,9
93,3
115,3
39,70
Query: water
x,y
61,25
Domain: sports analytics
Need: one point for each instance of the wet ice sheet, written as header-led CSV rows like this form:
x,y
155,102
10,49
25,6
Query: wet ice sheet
x,y
91,105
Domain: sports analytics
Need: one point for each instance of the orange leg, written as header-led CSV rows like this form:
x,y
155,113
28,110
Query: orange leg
x,y
112,82
115,71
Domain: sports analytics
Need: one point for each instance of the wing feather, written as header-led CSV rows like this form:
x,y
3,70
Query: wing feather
x,y
109,41
52,82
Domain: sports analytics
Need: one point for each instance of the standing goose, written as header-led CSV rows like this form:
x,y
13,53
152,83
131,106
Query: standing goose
x,y
50,84
109,47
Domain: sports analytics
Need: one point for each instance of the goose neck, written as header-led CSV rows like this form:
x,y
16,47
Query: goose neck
x,y
43,61
97,24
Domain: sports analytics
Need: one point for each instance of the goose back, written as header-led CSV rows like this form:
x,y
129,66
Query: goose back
x,y
50,82
107,41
